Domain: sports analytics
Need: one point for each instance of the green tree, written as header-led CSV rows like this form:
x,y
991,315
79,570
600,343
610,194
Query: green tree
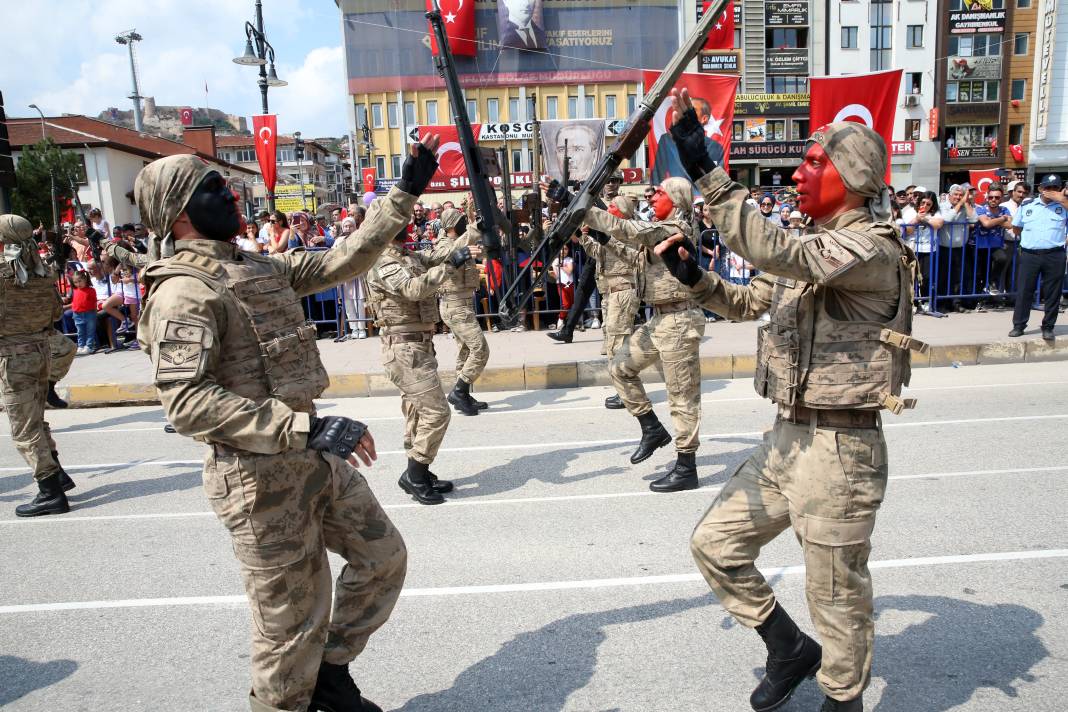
x,y
33,195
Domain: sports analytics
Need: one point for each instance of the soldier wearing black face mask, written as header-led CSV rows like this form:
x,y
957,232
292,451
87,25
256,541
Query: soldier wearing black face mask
x,y
237,368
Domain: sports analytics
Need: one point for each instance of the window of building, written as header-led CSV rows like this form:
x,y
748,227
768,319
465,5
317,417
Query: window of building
x,y
914,37
975,46
552,107
432,113
286,155
493,110
1023,3
591,107
376,116
971,136
364,162
849,37
572,107
973,91
912,129
380,165
517,160
610,107
880,19
393,114
799,129
786,84
1020,43
1015,134
777,130
632,103
361,115
737,35
395,161
246,155
914,82
1018,89
472,110
409,114
738,131
513,110
786,38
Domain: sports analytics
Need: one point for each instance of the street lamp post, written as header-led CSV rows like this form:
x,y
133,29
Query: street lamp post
x,y
298,152
258,56
51,173
128,38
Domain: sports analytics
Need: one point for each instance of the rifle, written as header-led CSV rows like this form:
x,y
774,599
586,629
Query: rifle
x,y
473,161
635,131
95,236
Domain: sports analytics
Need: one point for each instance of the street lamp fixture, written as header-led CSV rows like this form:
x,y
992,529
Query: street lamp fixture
x,y
249,58
51,173
272,76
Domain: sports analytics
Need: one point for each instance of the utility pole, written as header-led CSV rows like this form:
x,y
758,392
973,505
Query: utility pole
x,y
51,173
298,150
128,38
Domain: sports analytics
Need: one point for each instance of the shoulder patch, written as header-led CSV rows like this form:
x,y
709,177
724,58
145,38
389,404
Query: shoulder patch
x,y
829,257
181,353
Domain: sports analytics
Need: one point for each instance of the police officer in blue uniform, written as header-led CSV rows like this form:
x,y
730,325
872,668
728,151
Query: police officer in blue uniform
x,y
1041,226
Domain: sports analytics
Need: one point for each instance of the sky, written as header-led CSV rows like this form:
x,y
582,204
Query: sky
x,y
65,58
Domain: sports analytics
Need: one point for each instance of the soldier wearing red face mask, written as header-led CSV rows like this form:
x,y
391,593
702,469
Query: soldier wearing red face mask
x,y
835,352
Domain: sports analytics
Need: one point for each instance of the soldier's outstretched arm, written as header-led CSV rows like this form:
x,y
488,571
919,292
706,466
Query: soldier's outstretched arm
x,y
395,279
180,330
624,230
734,301
126,257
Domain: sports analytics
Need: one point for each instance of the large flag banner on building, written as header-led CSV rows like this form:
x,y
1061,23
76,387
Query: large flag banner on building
x,y
452,172
520,24
581,140
265,129
869,99
722,35
713,99
459,19
981,181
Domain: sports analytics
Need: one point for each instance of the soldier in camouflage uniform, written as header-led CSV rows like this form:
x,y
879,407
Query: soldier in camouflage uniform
x,y
671,337
237,368
617,281
29,305
402,294
457,296
62,351
835,352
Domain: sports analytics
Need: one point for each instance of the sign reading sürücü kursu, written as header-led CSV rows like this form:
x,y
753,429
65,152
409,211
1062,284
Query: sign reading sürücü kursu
x,y
767,149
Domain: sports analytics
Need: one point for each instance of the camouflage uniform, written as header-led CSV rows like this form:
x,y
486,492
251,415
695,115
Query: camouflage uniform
x,y
617,280
457,296
671,337
237,368
134,260
835,351
29,306
61,350
402,293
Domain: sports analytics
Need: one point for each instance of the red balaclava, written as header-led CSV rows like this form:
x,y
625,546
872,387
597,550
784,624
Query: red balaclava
x,y
662,204
820,188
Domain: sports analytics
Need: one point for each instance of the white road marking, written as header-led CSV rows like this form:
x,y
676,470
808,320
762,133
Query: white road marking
x,y
453,503
1014,556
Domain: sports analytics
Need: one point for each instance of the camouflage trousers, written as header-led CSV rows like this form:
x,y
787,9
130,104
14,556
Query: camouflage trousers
x,y
826,483
474,351
620,309
673,340
284,512
62,351
413,368
24,369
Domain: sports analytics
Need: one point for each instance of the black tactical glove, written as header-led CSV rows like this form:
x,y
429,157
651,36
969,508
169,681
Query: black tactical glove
x,y
690,139
460,256
335,435
559,193
599,237
417,171
686,270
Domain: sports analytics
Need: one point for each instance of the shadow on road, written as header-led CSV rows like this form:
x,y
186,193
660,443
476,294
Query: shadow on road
x,y
19,676
146,417
539,669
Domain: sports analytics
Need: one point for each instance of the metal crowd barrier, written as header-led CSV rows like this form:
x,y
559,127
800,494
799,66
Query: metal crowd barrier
x,y
131,312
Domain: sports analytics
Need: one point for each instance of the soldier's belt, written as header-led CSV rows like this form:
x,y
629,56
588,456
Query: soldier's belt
x,y
414,337
844,418
673,307
456,296
621,288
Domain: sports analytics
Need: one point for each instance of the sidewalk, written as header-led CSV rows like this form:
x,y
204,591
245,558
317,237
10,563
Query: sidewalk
x,y
530,360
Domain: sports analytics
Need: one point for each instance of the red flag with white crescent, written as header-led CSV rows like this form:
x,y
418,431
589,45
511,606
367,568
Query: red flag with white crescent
x,y
452,171
713,99
722,34
869,99
458,17
369,178
186,115
981,181
265,131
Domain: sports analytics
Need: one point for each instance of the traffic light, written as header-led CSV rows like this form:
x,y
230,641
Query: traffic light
x,y
298,148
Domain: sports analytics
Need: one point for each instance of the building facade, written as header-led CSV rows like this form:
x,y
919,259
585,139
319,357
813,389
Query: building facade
x,y
317,172
1047,142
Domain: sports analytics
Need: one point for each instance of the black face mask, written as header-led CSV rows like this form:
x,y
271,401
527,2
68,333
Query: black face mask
x,y
213,210
461,227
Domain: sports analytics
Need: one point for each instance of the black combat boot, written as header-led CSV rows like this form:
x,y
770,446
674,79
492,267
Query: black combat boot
x,y
416,482
792,656
481,405
683,476
65,482
49,500
654,437
336,692
53,398
441,486
564,336
614,402
854,705
460,398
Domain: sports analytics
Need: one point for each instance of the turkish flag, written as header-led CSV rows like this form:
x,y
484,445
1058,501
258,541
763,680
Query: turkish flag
x,y
186,115
451,166
981,181
265,129
368,175
713,98
722,34
869,99
459,21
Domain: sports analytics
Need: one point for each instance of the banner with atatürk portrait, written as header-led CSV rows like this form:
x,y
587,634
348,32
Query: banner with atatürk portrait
x,y
580,140
520,24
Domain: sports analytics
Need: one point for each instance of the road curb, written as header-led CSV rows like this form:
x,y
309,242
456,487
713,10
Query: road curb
x,y
573,374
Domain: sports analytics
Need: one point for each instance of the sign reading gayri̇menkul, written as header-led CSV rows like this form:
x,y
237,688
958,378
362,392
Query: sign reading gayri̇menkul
x,y
785,14
986,20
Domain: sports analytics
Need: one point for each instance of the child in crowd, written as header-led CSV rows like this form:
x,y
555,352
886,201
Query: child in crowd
x,y
83,305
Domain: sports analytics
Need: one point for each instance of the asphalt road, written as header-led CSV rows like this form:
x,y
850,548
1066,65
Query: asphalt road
x,y
553,579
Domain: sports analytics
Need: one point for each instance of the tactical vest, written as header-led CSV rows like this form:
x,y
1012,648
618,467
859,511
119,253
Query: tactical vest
x,y
27,308
392,312
462,282
806,357
273,353
660,286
